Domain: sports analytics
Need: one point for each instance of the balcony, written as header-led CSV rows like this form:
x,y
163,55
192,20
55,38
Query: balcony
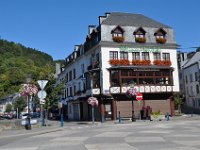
x,y
95,91
142,89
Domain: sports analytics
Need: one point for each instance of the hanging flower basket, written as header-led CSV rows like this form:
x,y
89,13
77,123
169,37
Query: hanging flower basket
x,y
93,101
28,90
131,92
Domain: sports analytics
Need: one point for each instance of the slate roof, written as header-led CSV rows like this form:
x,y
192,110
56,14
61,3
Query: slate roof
x,y
127,19
195,58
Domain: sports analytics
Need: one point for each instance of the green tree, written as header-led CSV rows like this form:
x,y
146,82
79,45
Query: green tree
x,y
53,93
20,104
8,107
178,101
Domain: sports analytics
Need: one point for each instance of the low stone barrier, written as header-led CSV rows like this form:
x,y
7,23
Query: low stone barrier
x,y
14,124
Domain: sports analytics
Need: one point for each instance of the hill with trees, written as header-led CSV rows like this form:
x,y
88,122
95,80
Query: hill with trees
x,y
17,62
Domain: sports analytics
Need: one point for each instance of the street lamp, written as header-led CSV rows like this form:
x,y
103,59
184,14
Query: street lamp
x,y
28,126
130,93
28,90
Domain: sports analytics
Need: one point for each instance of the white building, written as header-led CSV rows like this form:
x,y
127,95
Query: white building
x,y
191,79
124,49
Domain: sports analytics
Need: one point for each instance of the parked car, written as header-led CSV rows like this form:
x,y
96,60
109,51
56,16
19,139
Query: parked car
x,y
31,115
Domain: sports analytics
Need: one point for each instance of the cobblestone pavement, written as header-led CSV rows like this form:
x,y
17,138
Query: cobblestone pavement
x,y
177,134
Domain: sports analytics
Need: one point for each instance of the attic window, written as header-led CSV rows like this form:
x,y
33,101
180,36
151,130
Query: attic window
x,y
117,34
140,35
160,35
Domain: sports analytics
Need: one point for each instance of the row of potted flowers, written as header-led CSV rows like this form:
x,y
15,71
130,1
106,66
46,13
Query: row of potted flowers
x,y
139,40
125,62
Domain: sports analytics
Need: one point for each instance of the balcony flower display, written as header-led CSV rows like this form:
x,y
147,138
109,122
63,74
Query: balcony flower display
x,y
131,92
140,39
161,40
124,62
114,62
118,39
158,62
141,62
167,63
162,62
28,90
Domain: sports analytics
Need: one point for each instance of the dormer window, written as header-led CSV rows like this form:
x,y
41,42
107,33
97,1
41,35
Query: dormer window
x,y
140,35
160,36
117,34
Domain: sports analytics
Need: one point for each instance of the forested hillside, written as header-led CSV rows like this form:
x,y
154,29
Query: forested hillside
x,y
17,62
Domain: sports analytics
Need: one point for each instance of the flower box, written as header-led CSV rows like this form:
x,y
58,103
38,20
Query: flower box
x,y
162,62
140,39
141,62
167,63
114,62
118,39
124,62
161,40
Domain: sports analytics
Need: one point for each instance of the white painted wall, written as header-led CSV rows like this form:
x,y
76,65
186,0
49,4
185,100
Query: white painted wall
x,y
192,97
105,65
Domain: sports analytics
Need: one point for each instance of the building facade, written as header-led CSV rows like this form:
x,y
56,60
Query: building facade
x,y
191,80
123,52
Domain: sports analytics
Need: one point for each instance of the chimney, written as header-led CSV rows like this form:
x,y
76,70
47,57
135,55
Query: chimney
x,y
91,28
107,14
76,47
102,18
58,69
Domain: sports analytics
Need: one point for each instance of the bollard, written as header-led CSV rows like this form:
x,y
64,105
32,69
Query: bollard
x,y
167,116
61,120
102,118
119,117
191,113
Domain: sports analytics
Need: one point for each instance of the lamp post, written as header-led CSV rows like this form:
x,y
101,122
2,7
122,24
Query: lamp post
x,y
28,90
130,93
28,127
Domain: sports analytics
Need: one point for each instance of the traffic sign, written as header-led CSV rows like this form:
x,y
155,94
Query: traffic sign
x,y
42,94
42,101
139,97
42,83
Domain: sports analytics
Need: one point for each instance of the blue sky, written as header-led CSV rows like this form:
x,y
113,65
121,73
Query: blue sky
x,y
55,26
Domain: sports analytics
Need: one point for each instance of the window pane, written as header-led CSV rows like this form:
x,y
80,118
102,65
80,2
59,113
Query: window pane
x,y
113,55
146,81
124,72
166,56
157,73
145,56
123,55
136,55
156,56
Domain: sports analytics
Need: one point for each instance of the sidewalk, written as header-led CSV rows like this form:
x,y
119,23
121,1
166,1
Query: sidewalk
x,y
53,126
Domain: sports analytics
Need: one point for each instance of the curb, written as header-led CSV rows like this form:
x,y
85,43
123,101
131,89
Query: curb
x,y
33,133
